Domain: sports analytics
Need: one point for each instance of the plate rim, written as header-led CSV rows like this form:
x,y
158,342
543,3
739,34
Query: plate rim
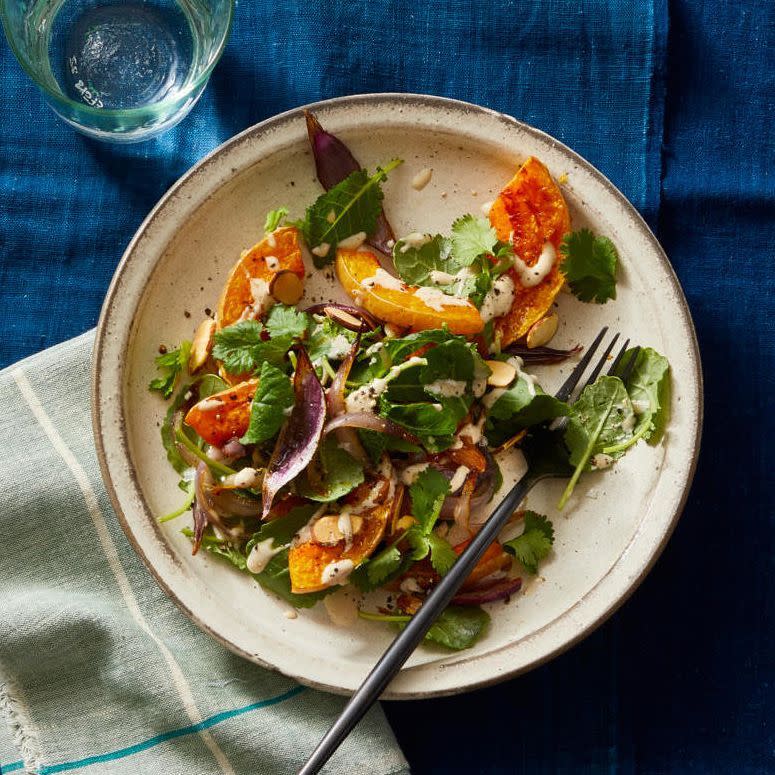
x,y
435,102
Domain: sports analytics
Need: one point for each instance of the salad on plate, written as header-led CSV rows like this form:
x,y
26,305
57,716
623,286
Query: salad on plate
x,y
348,452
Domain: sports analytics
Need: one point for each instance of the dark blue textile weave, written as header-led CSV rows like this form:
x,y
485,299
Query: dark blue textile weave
x,y
674,102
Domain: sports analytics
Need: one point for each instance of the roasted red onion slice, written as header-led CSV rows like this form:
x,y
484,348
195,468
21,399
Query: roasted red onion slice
x,y
369,422
535,355
500,590
300,436
233,449
333,163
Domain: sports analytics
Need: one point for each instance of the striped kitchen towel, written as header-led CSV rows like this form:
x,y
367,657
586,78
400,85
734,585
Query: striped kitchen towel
x,y
99,671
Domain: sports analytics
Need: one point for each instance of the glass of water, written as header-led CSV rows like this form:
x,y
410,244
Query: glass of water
x,y
118,70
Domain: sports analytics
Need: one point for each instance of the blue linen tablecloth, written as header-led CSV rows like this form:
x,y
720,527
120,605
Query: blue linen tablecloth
x,y
674,102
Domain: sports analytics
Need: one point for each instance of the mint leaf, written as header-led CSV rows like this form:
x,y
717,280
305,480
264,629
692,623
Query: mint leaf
x,y
471,238
600,423
589,266
243,349
286,321
273,396
274,218
427,493
331,474
535,542
170,364
349,207
649,390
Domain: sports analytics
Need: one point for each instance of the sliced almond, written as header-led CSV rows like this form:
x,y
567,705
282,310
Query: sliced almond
x,y
326,530
542,332
202,344
502,374
286,287
344,318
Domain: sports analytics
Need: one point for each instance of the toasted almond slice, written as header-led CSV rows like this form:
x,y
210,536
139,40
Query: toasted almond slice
x,y
202,344
542,332
286,287
326,530
502,374
344,319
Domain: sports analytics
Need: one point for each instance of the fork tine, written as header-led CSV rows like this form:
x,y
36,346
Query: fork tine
x,y
618,359
573,378
601,362
627,370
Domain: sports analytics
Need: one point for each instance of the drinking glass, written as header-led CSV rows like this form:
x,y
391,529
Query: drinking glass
x,y
118,70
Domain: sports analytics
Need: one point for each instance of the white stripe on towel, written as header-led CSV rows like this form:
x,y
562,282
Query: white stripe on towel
x,y
109,548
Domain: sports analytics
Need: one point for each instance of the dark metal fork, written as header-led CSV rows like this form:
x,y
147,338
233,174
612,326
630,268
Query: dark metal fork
x,y
545,456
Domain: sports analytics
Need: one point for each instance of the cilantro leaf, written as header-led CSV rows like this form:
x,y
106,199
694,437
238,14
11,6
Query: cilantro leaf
x,y
287,321
170,364
273,396
415,264
274,218
331,474
379,569
518,408
427,493
535,542
589,266
599,424
649,390
345,209
471,238
329,340
443,556
242,348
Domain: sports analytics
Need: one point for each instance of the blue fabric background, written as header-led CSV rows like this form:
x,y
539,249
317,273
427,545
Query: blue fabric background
x,y
674,102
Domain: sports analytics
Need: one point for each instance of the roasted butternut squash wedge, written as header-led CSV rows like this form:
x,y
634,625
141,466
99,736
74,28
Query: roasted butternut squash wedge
x,y
252,275
530,211
494,559
224,415
407,306
314,566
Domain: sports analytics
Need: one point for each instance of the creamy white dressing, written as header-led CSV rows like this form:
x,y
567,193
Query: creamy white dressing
x,y
338,347
447,388
492,397
345,525
473,431
383,279
531,380
410,585
272,262
487,206
208,404
322,249
458,478
415,240
438,277
601,460
270,240
499,299
410,473
422,178
437,300
364,398
262,299
337,572
245,477
260,555
530,276
354,241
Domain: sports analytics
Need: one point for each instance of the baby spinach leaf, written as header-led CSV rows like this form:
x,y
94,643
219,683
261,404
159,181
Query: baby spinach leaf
x,y
277,578
534,543
589,265
283,529
331,475
273,396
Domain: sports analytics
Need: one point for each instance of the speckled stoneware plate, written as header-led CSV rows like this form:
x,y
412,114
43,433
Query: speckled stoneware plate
x,y
618,521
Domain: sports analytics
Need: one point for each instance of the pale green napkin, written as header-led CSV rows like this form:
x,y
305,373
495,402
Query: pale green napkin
x,y
99,671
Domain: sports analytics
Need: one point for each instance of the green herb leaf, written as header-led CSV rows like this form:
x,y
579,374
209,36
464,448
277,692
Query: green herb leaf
x,y
331,475
535,542
415,264
171,364
277,578
283,529
287,321
329,340
273,396
242,349
349,207
471,238
589,266
376,571
599,423
427,493
274,218
649,390
443,556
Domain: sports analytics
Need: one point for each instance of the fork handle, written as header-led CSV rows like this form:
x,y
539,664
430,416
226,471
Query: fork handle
x,y
412,635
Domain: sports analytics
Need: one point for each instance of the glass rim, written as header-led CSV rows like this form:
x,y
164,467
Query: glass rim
x,y
118,112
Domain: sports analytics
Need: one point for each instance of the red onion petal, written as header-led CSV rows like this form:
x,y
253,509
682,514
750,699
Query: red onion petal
x,y
370,422
500,590
300,435
533,355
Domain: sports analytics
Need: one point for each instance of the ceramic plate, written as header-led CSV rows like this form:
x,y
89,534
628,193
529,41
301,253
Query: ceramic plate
x,y
617,523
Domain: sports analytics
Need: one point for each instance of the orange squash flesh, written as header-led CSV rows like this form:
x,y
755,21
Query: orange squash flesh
x,y
531,211
284,246
400,307
307,561
223,415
